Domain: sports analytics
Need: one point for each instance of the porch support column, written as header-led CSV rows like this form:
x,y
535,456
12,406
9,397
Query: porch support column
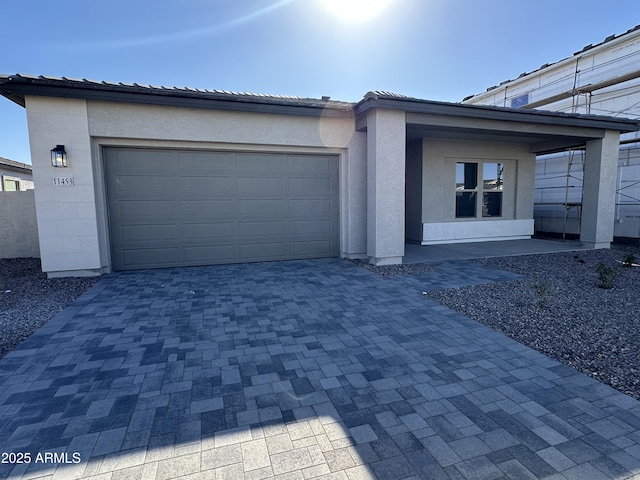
x,y
386,146
599,197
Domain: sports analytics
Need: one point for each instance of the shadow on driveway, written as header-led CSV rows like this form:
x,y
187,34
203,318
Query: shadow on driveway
x,y
298,369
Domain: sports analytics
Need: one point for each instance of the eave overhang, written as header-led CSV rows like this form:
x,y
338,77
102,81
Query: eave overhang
x,y
484,112
543,131
17,87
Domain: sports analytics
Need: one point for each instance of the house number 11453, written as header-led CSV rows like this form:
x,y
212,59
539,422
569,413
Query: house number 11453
x,y
63,181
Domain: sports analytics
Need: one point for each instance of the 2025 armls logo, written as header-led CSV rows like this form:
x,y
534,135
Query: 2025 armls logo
x,y
41,457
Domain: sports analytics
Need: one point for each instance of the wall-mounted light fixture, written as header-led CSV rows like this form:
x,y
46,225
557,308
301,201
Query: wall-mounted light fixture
x,y
59,156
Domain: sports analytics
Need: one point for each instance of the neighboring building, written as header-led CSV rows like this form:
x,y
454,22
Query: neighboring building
x,y
601,79
161,177
15,176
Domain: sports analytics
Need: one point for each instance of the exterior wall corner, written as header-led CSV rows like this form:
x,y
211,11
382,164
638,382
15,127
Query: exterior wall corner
x,y
386,151
67,231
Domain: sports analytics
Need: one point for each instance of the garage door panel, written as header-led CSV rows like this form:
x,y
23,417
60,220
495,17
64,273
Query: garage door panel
x,y
208,208
207,163
149,257
260,207
217,230
310,164
145,184
128,209
146,233
310,186
208,254
260,186
173,208
311,248
197,186
310,227
134,160
273,164
305,207
259,251
261,229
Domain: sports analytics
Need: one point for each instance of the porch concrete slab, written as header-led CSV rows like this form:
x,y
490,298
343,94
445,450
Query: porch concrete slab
x,y
465,251
306,369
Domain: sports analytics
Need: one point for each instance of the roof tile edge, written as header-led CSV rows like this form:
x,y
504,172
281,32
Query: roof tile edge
x,y
154,89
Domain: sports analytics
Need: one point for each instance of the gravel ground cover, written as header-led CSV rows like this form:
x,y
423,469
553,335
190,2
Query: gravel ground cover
x,y
28,299
391,270
560,309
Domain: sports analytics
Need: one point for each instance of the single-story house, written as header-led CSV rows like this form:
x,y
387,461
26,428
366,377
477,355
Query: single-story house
x,y
150,176
15,176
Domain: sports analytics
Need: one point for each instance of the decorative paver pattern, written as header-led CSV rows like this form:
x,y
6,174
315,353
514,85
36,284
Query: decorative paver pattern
x,y
299,370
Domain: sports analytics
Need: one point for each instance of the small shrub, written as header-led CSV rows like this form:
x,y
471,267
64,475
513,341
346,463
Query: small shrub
x,y
606,275
542,291
630,260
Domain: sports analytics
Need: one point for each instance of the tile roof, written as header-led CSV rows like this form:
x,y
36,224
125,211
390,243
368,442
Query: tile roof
x,y
96,86
378,94
378,99
15,87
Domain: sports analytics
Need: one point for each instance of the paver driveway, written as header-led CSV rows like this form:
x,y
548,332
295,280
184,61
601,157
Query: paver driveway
x,y
311,369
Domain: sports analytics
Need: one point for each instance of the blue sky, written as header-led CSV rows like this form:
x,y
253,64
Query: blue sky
x,y
434,49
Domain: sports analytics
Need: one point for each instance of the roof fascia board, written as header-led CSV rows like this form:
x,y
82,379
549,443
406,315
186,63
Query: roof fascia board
x,y
243,105
17,99
519,127
554,146
16,169
7,161
480,112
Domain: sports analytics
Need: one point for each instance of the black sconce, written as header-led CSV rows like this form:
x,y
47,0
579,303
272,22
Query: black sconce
x,y
59,157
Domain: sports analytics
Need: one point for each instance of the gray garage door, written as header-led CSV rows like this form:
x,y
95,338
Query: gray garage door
x,y
175,208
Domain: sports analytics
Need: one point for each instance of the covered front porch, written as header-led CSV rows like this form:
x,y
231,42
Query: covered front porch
x,y
426,172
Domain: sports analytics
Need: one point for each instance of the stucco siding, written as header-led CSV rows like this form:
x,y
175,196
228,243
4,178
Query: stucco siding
x,y
119,120
386,159
66,214
600,175
525,181
18,225
439,158
353,199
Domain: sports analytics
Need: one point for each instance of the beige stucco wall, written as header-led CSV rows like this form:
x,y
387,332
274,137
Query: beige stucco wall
x,y
72,221
18,225
120,120
599,197
386,145
67,225
439,158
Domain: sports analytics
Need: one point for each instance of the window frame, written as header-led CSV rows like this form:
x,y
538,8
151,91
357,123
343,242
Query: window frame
x,y
13,181
481,208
